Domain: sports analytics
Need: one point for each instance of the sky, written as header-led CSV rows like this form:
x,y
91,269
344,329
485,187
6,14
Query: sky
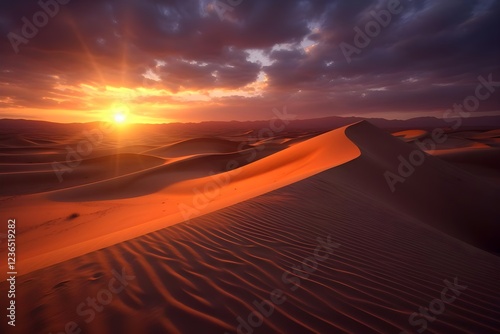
x,y
157,61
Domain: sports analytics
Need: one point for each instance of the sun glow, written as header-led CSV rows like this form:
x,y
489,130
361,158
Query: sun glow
x,y
120,113
120,118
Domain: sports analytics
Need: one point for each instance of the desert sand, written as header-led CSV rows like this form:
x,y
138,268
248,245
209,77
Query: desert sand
x,y
208,228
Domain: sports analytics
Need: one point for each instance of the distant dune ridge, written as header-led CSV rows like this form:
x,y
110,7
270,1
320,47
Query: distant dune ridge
x,y
209,226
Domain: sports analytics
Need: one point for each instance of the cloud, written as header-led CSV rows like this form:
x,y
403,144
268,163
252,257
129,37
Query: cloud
x,y
183,53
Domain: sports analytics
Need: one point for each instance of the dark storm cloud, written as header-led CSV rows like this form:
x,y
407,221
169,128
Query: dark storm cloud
x,y
427,58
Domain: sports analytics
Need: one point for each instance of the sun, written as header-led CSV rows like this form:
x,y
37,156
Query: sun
x,y
120,117
119,113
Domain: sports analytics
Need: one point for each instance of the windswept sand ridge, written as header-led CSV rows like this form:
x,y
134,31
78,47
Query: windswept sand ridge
x,y
88,171
297,162
32,156
459,143
154,179
299,139
40,151
290,165
484,134
410,135
9,151
25,167
455,141
120,160
197,146
209,272
11,140
477,152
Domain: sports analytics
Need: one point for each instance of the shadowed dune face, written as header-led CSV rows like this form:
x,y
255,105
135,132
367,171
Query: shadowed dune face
x,y
438,193
254,210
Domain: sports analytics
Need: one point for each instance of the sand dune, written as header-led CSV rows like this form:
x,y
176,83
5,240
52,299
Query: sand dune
x,y
169,193
207,273
484,134
464,141
197,146
170,188
7,141
156,179
410,135
477,152
36,178
208,226
327,151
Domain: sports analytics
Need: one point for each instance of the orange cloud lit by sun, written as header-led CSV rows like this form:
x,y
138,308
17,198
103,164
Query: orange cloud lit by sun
x,y
87,103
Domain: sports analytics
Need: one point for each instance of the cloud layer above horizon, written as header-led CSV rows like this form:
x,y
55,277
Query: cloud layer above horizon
x,y
190,60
